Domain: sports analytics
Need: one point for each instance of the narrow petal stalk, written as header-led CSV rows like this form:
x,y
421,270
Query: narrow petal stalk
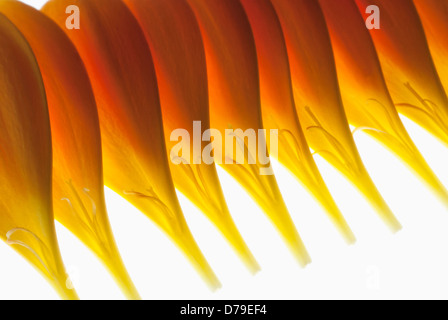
x,y
366,98
235,104
119,64
78,191
182,78
26,211
278,107
318,99
409,70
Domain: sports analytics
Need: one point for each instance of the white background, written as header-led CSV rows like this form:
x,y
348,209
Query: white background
x,y
410,264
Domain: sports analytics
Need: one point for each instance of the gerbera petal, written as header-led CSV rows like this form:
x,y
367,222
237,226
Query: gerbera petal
x,y
235,104
365,95
434,16
119,63
409,70
278,107
176,45
317,96
26,212
78,189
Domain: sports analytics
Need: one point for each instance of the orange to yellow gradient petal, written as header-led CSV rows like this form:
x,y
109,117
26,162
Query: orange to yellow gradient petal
x,y
234,88
78,188
318,98
26,211
182,78
365,95
408,66
120,66
279,111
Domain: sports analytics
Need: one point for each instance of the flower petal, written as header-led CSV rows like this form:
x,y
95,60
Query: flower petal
x,y
318,99
365,95
408,67
119,63
434,16
78,190
26,212
235,104
182,78
278,107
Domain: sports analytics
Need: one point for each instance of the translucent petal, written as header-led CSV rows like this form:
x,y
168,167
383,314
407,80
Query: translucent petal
x,y
119,63
278,107
318,99
235,104
78,191
26,212
408,67
365,95
182,78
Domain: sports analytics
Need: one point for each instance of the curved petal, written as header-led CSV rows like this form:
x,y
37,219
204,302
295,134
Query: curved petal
x,y
78,191
434,16
182,78
317,96
119,63
278,108
408,67
26,212
235,104
365,95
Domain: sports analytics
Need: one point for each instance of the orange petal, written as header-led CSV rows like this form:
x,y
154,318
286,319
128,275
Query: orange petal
x,y
235,104
434,16
318,99
119,64
182,78
278,107
408,66
365,95
78,195
26,211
